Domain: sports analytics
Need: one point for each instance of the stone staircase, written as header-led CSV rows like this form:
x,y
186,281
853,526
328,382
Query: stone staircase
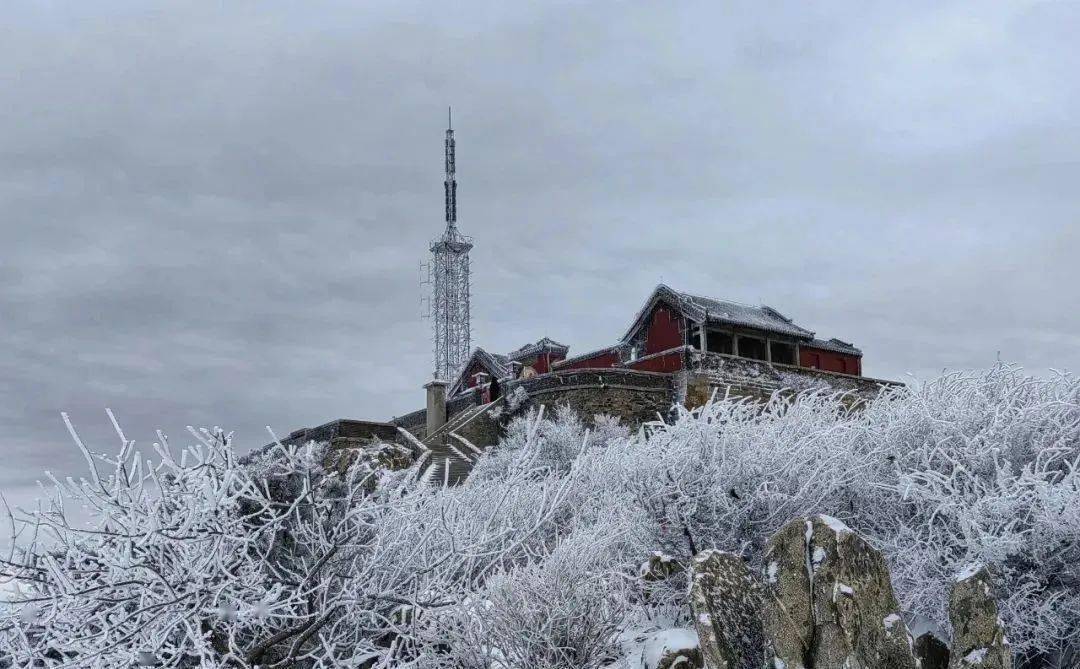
x,y
440,441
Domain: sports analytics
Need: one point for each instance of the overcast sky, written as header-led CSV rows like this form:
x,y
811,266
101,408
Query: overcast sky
x,y
212,213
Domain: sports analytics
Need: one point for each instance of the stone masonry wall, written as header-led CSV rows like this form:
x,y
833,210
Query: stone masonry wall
x,y
757,379
633,397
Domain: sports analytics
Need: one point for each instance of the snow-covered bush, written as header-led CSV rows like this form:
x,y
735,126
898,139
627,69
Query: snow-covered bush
x,y
554,442
969,468
193,559
197,560
511,405
565,610
536,560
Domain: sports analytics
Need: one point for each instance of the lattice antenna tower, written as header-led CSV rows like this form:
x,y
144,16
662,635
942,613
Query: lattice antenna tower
x,y
448,274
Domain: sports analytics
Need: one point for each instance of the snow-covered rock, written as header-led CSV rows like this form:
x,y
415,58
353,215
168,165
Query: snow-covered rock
x,y
831,602
978,637
726,599
786,613
670,648
856,615
658,567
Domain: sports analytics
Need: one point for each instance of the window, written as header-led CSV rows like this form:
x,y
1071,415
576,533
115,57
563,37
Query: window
x,y
782,353
752,347
719,342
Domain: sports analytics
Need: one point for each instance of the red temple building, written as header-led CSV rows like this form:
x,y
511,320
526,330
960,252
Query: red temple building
x,y
669,326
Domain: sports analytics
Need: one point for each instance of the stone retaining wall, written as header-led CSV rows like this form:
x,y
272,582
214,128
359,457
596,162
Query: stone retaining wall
x,y
759,380
360,430
633,397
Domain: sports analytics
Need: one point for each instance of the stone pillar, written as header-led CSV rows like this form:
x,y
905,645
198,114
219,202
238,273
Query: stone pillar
x,y
436,405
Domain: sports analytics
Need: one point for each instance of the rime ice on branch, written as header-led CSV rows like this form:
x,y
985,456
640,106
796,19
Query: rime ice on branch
x,y
198,556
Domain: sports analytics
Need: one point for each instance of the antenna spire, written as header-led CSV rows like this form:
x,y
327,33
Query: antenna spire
x,y
450,183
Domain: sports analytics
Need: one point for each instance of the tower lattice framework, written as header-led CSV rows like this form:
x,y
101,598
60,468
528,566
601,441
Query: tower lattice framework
x,y
449,277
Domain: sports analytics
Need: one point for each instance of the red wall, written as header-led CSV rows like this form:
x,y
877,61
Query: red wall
x,y
666,362
540,363
599,360
543,362
475,368
665,330
830,361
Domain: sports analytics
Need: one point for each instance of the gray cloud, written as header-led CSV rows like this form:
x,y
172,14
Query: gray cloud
x,y
214,215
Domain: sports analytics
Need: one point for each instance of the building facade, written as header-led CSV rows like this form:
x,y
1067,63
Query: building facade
x,y
667,328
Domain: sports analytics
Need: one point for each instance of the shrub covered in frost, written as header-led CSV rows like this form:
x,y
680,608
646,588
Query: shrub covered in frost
x,y
536,560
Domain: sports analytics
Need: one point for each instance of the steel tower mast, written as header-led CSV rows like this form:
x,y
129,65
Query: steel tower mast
x,y
449,277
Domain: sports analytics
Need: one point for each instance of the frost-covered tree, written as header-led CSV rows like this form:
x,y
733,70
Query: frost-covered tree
x,y
197,559
969,468
201,559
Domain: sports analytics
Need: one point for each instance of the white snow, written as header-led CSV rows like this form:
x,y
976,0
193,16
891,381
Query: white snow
x,y
834,524
976,656
890,620
842,589
772,571
644,649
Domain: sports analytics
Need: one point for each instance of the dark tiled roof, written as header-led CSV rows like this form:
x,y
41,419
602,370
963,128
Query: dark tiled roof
x,y
497,365
544,344
496,362
721,311
836,345
706,309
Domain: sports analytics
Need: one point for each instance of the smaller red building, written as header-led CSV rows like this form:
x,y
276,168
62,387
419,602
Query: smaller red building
x,y
530,360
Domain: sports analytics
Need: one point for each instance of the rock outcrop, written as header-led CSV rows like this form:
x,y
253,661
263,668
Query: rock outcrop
x,y
824,601
681,658
727,599
829,602
932,652
659,567
786,612
978,637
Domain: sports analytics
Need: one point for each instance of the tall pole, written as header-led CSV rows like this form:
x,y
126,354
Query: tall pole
x,y
451,327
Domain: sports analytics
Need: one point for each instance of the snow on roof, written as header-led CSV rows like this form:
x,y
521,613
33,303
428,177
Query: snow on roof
x,y
762,317
835,344
497,365
710,310
545,344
